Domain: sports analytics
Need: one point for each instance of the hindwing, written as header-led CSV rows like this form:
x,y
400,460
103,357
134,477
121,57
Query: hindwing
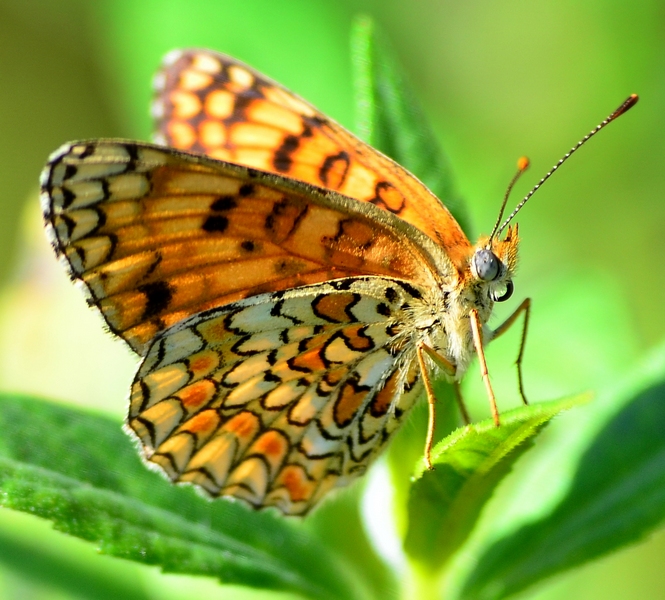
x,y
278,398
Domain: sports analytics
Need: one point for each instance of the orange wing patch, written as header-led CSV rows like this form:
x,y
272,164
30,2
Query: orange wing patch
x,y
212,104
157,236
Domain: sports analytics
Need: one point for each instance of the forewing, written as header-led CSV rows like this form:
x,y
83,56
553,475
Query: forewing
x,y
213,104
157,235
278,398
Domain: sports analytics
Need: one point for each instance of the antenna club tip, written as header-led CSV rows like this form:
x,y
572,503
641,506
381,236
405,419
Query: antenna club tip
x,y
523,163
626,106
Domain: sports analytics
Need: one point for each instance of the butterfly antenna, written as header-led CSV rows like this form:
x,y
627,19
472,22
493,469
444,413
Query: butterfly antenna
x,y
522,165
626,106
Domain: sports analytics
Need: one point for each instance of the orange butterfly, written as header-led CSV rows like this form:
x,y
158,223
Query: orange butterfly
x,y
288,287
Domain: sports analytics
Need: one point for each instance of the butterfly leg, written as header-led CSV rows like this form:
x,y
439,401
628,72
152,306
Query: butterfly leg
x,y
525,308
449,368
460,403
477,333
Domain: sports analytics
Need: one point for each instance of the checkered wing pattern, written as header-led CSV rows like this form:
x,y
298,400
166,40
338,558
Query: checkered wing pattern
x,y
278,398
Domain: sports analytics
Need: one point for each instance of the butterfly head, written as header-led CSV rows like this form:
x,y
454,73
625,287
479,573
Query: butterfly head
x,y
494,262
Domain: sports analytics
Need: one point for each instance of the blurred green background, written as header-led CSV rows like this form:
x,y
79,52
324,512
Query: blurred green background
x,y
497,80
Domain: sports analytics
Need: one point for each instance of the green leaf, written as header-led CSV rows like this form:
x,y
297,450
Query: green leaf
x,y
81,472
59,571
340,525
617,497
445,503
389,116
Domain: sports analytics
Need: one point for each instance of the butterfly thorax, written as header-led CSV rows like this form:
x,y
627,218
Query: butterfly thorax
x,y
441,317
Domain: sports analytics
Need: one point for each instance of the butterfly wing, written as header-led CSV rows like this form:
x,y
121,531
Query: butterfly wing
x,y
156,235
280,397
269,298
213,104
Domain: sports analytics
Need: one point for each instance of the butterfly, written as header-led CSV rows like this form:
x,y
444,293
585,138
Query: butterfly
x,y
288,288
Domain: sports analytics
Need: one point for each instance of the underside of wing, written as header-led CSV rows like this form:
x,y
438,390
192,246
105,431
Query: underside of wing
x,y
157,235
210,103
278,398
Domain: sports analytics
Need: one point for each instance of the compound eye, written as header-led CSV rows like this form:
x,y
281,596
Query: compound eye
x,y
508,292
486,264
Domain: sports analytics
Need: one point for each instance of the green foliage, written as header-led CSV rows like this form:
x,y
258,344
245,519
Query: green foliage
x,y
617,497
57,569
445,503
80,472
